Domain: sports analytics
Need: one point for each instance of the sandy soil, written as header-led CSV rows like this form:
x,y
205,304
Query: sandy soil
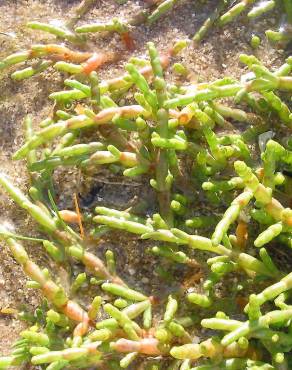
x,y
215,57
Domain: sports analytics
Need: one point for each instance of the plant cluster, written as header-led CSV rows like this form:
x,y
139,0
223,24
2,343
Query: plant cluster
x,y
170,134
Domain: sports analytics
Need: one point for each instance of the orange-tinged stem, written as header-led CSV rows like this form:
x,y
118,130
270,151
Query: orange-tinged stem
x,y
95,61
68,216
94,264
146,346
242,234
